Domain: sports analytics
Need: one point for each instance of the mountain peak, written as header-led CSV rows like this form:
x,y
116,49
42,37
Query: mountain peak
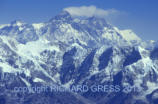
x,y
97,22
63,16
17,23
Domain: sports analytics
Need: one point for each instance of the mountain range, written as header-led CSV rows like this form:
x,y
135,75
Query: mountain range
x,y
99,62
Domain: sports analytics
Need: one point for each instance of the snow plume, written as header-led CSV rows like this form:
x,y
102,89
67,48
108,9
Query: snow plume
x,y
89,11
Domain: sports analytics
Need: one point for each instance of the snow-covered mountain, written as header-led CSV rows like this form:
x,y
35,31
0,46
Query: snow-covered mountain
x,y
66,52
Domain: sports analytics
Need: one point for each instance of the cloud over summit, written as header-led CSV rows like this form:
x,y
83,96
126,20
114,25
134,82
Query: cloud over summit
x,y
89,11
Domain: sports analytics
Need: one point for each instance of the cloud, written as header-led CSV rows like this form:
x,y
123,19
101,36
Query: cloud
x,y
89,11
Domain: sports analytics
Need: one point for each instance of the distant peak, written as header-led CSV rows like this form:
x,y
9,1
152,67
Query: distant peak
x,y
63,16
96,21
64,13
17,23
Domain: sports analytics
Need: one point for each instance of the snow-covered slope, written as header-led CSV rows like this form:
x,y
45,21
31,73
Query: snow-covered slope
x,y
67,52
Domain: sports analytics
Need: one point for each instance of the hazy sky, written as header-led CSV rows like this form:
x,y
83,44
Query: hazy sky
x,y
139,15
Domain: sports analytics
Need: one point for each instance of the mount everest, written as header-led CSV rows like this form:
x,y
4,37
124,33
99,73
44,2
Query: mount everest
x,y
67,52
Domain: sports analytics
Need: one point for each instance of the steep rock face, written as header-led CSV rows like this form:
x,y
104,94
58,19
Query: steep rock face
x,y
68,67
67,52
154,54
133,57
104,58
84,69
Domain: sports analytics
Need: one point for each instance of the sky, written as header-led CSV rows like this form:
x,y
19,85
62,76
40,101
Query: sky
x,y
139,15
